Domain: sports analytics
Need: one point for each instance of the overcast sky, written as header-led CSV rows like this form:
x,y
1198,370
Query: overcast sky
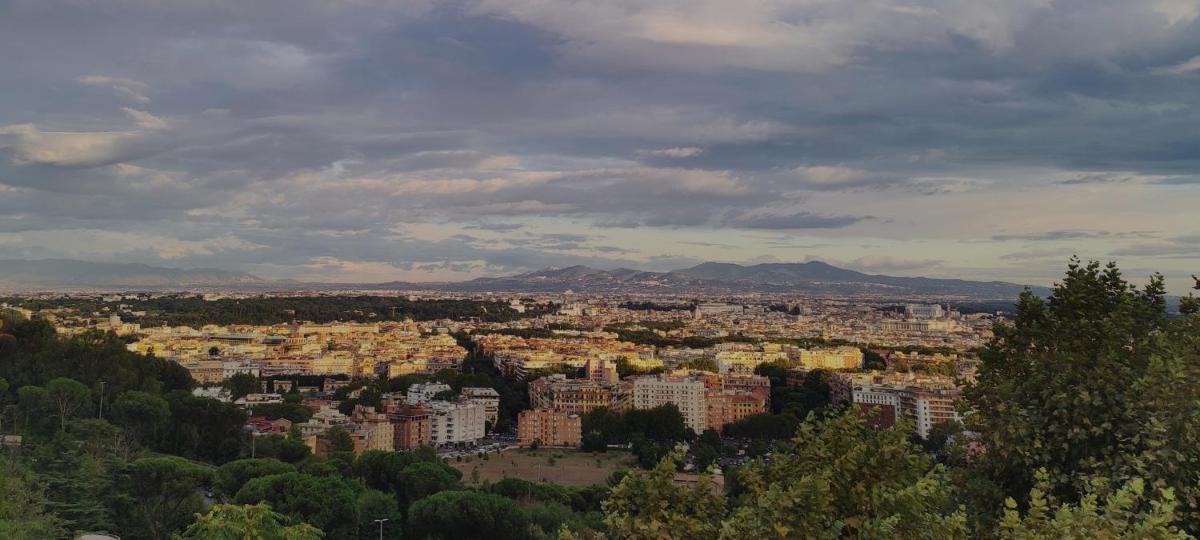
x,y
363,140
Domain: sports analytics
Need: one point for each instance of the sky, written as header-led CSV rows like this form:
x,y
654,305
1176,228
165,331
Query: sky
x,y
370,140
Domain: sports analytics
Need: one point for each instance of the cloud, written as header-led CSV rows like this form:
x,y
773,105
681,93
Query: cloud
x,y
674,152
26,144
1180,247
413,137
127,88
797,220
1040,253
1060,235
830,175
1099,178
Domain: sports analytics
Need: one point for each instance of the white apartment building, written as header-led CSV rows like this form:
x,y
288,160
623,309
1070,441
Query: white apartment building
x,y
928,408
423,392
456,422
685,392
925,406
488,397
870,395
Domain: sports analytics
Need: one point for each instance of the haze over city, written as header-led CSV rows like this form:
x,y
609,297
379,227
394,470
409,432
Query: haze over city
x,y
438,141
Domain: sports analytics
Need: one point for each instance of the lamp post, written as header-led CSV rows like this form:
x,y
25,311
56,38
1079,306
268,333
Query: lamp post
x,y
380,522
100,414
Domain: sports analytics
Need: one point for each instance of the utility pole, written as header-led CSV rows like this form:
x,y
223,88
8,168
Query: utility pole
x,y
380,522
100,415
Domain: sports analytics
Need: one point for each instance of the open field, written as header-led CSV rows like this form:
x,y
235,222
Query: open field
x,y
569,467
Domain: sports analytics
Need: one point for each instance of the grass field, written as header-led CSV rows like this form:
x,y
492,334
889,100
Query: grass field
x,y
565,467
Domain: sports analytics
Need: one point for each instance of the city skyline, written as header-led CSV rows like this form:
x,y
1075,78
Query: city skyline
x,y
420,141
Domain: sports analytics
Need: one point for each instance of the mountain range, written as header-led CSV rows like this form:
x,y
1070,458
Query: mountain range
x,y
813,277
809,277
66,273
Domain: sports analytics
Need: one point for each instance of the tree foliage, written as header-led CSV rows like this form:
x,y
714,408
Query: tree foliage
x,y
247,522
23,506
329,503
1094,382
166,493
1102,513
467,514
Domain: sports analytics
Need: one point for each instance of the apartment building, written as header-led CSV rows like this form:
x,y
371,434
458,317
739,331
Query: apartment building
x,y
488,397
374,430
455,422
579,396
412,427
926,401
832,358
684,391
549,427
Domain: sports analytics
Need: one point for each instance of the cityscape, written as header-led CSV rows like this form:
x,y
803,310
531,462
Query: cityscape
x,y
599,269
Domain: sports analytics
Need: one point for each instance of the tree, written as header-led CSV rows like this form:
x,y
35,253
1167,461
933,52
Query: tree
x,y
651,505
233,475
764,426
1102,512
340,440
4,408
241,384
836,479
23,513
467,514
329,503
843,480
142,413
375,505
204,428
247,522
166,492
1071,387
68,397
423,479
33,408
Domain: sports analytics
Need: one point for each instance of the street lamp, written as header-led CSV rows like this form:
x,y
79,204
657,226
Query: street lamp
x,y
380,522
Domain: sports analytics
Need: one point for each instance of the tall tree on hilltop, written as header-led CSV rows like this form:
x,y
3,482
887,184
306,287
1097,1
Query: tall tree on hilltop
x,y
1094,382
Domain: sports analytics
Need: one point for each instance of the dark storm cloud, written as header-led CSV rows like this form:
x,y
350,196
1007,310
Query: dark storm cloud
x,y
276,133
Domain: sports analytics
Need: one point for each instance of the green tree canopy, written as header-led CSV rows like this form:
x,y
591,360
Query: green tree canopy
x,y
166,492
1095,381
1102,513
247,522
68,397
23,513
467,514
143,414
329,503
233,475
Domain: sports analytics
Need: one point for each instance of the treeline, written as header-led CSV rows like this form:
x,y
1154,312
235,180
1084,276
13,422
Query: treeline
x,y
123,446
656,306
195,311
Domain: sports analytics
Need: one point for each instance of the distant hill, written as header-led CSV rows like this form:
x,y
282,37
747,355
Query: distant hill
x,y
809,277
64,273
708,278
